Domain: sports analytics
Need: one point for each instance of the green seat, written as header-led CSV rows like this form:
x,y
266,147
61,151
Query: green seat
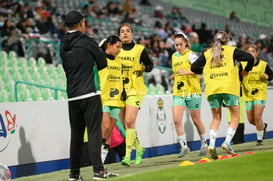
x,y
62,95
41,62
25,95
48,94
32,62
159,89
2,86
151,89
35,75
6,76
12,96
12,54
3,55
36,94
27,77
17,76
43,72
4,96
9,86
21,62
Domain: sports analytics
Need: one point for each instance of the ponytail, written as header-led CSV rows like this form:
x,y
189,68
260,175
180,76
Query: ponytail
x,y
220,38
216,53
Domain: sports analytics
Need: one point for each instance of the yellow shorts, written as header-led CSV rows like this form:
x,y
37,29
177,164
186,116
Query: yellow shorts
x,y
135,101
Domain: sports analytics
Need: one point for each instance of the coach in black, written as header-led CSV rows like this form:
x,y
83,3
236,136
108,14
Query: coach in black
x,y
80,54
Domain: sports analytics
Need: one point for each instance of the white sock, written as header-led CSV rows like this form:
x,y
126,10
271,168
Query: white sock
x,y
212,137
260,135
104,153
203,140
230,134
182,140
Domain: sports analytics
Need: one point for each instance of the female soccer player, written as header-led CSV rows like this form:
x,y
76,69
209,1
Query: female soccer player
x,y
221,77
111,90
186,93
254,87
135,60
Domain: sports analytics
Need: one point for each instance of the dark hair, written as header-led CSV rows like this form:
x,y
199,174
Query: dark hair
x,y
125,24
110,40
183,36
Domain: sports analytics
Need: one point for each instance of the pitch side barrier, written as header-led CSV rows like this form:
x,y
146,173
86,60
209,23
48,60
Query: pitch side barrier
x,y
35,135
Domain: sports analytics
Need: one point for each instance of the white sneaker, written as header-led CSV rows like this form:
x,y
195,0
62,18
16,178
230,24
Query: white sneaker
x,y
227,148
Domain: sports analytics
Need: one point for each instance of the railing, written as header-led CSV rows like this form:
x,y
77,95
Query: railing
x,y
36,85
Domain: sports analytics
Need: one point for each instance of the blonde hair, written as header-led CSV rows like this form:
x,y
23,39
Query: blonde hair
x,y
220,38
253,46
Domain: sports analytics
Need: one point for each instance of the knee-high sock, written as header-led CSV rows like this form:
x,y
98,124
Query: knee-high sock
x,y
230,134
213,136
137,143
203,140
130,138
182,140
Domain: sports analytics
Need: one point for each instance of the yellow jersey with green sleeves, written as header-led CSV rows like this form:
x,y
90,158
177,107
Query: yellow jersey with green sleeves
x,y
254,86
224,78
132,71
111,84
185,85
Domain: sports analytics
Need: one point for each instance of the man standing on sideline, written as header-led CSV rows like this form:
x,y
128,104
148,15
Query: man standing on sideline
x,y
80,54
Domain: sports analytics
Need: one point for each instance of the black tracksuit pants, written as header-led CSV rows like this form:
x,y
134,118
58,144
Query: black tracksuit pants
x,y
85,112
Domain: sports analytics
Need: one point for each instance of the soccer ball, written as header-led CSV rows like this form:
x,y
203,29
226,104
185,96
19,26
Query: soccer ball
x,y
5,174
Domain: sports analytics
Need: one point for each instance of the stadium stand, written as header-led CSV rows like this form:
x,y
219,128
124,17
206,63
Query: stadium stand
x,y
258,12
40,73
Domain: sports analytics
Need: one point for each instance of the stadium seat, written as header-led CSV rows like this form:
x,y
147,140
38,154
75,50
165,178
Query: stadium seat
x,y
25,95
4,96
6,76
31,61
51,82
41,62
12,54
2,86
3,54
159,89
62,95
9,86
48,94
36,94
17,76
151,89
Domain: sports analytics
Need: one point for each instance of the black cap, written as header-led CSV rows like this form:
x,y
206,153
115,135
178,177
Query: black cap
x,y
73,17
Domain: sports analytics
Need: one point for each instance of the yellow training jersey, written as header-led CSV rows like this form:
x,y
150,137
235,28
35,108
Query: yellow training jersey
x,y
185,85
132,70
111,84
224,78
254,86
